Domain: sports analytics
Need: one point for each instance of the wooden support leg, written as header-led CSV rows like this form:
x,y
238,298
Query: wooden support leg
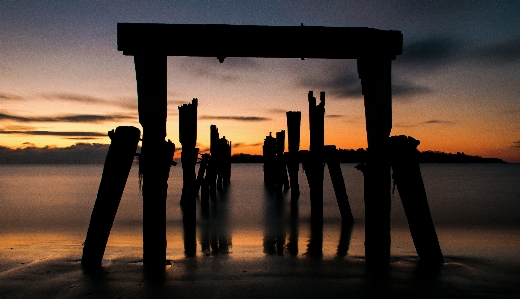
x,y
115,173
338,184
293,165
408,179
375,77
156,154
316,125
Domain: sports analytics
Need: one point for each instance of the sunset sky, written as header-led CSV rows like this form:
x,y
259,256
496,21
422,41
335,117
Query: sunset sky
x,y
456,87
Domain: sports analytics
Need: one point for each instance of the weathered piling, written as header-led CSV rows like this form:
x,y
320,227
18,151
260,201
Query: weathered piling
x,y
157,161
375,75
156,153
317,140
281,170
293,165
113,180
202,170
269,155
212,171
188,139
223,162
338,183
409,182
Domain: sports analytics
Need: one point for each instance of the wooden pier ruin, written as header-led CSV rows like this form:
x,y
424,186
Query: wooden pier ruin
x,y
374,50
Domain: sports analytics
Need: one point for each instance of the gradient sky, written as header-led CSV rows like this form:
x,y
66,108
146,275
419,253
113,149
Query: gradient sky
x,y
456,86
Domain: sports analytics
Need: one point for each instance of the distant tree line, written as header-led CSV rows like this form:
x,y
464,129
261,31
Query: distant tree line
x,y
87,153
359,156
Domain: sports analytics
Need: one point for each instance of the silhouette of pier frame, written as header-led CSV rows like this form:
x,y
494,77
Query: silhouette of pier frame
x,y
374,50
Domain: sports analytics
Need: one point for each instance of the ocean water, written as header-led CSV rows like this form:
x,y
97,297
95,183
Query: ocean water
x,y
45,212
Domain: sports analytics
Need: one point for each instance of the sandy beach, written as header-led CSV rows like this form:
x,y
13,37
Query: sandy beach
x,y
269,277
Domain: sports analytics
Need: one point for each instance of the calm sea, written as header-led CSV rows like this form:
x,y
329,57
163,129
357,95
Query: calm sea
x,y
475,208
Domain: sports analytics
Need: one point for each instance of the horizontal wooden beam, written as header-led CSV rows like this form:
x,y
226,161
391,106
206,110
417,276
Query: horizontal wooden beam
x,y
221,41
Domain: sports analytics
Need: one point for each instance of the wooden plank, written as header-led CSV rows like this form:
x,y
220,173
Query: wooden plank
x,y
221,40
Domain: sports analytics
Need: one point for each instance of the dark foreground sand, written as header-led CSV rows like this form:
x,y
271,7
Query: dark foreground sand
x,y
266,277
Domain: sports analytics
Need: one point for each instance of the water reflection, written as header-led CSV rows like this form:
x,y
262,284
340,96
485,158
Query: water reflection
x,y
274,231
292,241
189,224
215,237
344,239
315,245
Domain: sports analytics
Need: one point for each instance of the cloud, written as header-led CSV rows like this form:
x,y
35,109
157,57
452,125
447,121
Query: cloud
x,y
338,82
334,115
237,118
74,98
80,118
428,122
405,89
431,52
503,53
10,97
277,111
241,144
54,133
516,144
210,67
79,153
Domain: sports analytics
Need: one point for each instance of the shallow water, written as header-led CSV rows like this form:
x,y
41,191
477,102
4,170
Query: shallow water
x,y
46,210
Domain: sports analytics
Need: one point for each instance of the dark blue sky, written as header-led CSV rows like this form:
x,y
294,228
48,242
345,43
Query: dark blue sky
x,y
456,86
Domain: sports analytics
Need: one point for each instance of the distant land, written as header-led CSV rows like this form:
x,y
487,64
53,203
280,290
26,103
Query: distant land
x,y
88,153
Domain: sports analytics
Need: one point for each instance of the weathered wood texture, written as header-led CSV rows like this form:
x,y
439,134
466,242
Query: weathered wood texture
x,y
113,180
408,179
220,40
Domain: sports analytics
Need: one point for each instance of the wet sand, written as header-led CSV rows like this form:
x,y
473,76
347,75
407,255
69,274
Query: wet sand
x,y
221,276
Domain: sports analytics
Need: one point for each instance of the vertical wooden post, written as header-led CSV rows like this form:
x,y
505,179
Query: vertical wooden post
x,y
156,154
338,183
269,154
281,170
188,139
375,75
115,173
202,169
293,165
409,182
317,140
213,161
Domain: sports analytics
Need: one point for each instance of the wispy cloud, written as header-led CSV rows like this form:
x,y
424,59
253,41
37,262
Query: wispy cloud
x,y
241,144
74,98
10,97
237,118
516,144
55,133
276,111
211,68
403,89
504,53
431,52
334,115
80,118
428,122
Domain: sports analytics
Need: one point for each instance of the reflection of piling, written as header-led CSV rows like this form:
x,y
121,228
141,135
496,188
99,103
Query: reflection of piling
x,y
338,183
293,137
115,173
269,154
188,139
316,126
375,75
408,179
